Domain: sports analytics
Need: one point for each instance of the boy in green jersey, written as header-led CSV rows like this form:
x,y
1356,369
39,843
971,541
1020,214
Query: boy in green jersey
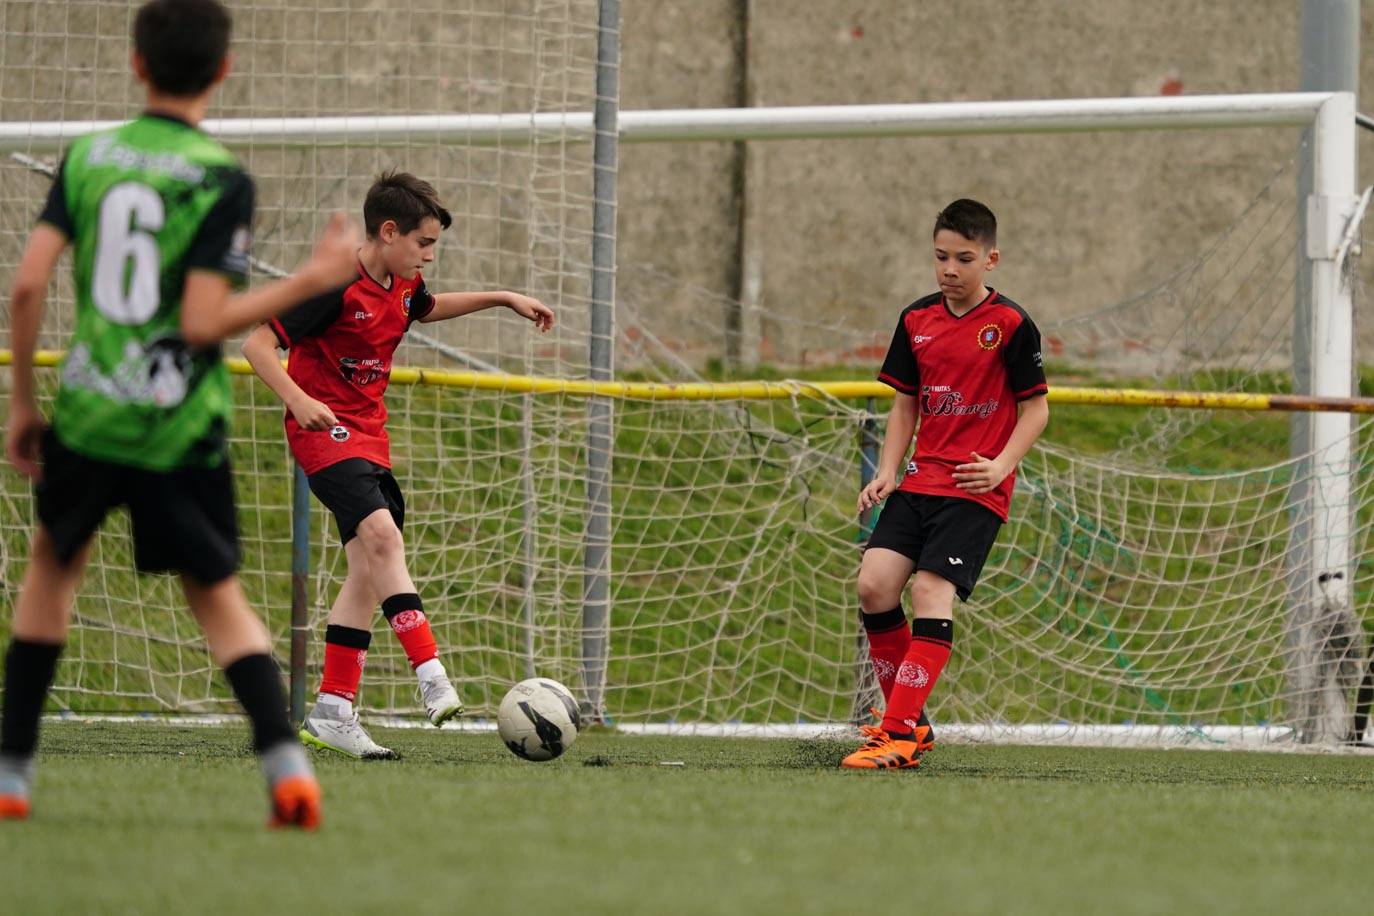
x,y
159,217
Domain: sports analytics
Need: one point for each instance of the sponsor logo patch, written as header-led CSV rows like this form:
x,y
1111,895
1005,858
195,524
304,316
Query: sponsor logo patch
x,y
941,401
338,434
361,371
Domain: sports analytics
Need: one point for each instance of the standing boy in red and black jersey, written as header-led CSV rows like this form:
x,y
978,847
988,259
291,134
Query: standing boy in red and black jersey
x,y
341,345
966,362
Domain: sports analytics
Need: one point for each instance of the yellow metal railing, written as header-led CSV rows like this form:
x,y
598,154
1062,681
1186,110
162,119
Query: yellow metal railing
x,y
783,390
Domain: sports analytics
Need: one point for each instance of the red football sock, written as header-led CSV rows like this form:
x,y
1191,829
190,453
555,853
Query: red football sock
x,y
888,641
408,621
931,639
345,651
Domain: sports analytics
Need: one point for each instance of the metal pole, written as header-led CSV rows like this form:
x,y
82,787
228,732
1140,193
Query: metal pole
x,y
300,581
597,542
869,444
1323,364
735,358
867,694
527,517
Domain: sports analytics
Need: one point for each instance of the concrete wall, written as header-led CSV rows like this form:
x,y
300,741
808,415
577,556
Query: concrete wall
x,y
824,241
836,233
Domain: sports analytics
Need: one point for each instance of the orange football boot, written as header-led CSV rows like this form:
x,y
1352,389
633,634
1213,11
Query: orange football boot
x,y
14,807
925,734
296,802
883,752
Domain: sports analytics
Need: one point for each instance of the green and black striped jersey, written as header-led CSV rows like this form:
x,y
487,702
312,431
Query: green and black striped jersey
x,y
141,205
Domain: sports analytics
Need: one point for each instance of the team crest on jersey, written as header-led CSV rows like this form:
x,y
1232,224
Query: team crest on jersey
x,y
405,303
989,336
338,434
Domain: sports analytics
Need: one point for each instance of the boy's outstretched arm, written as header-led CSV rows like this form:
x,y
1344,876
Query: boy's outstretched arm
x,y
209,313
24,430
901,426
454,305
260,349
982,475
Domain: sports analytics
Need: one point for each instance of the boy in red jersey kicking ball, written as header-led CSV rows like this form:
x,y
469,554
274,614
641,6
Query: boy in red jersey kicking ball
x,y
341,345
966,361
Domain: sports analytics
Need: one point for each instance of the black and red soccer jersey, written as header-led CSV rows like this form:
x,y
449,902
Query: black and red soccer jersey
x,y
967,373
341,346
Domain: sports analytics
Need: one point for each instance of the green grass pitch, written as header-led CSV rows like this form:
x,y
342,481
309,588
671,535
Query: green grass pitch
x,y
160,818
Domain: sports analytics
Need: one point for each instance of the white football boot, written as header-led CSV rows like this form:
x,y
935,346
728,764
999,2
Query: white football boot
x,y
440,699
330,728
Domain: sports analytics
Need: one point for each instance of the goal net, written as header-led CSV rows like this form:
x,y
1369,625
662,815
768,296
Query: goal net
x,y
1144,589
522,220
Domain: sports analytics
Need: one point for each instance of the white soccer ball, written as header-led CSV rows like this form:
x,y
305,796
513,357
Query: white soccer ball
x,y
538,719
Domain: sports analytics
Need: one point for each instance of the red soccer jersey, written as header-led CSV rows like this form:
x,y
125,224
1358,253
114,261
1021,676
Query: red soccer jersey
x,y
341,346
967,372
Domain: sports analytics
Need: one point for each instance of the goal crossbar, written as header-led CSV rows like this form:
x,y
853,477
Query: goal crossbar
x,y
1278,109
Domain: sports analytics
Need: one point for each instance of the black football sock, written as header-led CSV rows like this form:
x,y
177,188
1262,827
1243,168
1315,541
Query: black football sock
x,y
257,684
29,668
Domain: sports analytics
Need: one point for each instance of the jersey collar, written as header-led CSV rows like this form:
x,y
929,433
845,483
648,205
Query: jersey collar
x,y
163,116
363,272
992,295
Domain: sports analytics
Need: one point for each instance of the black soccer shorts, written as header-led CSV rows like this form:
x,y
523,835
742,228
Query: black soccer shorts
x,y
353,489
183,521
947,535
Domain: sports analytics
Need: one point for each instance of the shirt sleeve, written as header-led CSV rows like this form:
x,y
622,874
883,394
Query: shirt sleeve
x,y
421,303
1025,367
309,319
225,237
899,368
55,212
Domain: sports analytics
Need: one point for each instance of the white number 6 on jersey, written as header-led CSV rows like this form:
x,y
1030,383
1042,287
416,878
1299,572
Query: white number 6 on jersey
x,y
127,261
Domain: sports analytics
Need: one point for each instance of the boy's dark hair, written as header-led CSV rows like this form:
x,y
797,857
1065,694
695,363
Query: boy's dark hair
x,y
183,42
403,198
969,218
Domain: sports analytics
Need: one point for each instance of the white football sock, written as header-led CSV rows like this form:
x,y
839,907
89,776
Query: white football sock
x,y
432,668
336,704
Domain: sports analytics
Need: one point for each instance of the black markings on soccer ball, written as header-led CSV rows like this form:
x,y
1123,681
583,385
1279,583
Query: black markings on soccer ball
x,y
574,716
550,735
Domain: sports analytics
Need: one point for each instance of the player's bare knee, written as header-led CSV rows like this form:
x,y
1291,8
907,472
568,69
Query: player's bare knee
x,y
380,537
878,592
931,595
205,598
